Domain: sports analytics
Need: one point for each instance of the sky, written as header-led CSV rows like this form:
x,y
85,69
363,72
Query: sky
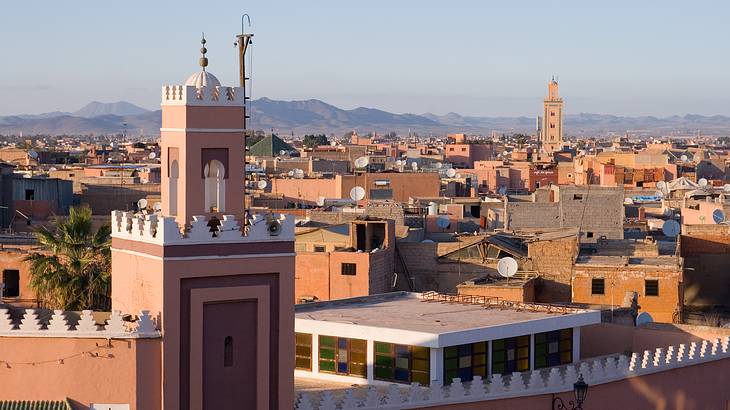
x,y
485,58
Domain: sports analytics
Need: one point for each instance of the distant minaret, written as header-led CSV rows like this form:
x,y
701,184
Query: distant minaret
x,y
551,137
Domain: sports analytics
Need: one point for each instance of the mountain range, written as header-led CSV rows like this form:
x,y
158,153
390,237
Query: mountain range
x,y
315,116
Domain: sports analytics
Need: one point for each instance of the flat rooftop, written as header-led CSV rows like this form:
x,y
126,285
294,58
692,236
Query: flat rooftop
x,y
405,315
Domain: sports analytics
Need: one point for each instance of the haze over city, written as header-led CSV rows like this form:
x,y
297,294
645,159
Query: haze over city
x,y
474,58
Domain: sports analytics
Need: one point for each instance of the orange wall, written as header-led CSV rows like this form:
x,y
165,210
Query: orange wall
x,y
129,372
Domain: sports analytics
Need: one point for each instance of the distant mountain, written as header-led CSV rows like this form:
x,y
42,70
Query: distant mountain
x,y
119,108
315,116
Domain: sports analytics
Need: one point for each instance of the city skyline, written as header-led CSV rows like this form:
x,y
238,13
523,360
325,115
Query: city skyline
x,y
470,59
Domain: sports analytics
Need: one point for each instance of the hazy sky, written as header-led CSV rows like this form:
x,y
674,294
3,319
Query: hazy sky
x,y
473,57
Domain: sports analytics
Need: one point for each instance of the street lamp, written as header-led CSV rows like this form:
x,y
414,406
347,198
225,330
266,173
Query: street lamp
x,y
580,389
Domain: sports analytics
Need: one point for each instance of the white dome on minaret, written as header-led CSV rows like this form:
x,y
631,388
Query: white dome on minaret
x,y
203,79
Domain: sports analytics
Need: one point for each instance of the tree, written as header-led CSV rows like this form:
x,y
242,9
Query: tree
x,y
315,140
73,270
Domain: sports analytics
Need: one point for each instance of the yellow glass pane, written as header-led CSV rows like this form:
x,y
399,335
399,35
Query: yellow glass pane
x,y
523,364
421,352
358,344
523,352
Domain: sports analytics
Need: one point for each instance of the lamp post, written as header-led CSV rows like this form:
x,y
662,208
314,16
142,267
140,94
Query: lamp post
x,y
580,389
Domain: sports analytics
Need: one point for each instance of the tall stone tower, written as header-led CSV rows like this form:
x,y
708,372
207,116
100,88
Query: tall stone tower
x,y
222,289
551,137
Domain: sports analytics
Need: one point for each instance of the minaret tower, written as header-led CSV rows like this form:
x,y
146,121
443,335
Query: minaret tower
x,y
222,289
551,137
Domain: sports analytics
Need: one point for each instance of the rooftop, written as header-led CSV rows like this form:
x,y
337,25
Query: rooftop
x,y
432,319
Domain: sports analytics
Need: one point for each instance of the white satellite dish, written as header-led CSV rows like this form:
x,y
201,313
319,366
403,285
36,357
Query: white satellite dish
x,y
451,172
643,318
398,163
157,206
282,153
443,222
507,267
142,203
726,188
661,185
357,193
671,228
458,176
262,184
502,190
718,216
439,165
362,162
702,182
684,158
290,173
426,241
52,169
320,201
152,155
298,173
32,154
333,143
414,166
628,201
659,194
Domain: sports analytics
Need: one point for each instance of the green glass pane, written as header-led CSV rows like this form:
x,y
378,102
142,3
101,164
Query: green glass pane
x,y
326,366
498,344
327,353
449,375
451,351
381,347
327,341
384,373
451,364
540,338
540,361
540,349
420,377
498,368
383,361
499,356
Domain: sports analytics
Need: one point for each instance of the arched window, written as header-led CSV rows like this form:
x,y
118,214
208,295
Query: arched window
x,y
228,351
215,186
174,175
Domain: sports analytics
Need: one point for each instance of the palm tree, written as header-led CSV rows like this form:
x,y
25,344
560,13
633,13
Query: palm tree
x,y
73,270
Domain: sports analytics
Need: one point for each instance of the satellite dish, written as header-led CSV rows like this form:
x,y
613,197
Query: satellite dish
x,y
628,201
502,190
398,163
152,155
661,185
32,154
262,184
702,182
333,143
684,158
443,222
142,203
726,188
362,162
507,267
659,194
298,173
320,201
290,173
458,176
671,228
426,241
643,318
451,172
282,153
718,216
157,206
414,165
439,165
357,193
51,169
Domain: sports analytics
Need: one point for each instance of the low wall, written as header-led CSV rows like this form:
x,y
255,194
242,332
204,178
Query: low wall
x,y
691,376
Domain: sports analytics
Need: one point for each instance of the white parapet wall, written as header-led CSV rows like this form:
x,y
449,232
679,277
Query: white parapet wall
x,y
208,95
164,230
60,325
538,382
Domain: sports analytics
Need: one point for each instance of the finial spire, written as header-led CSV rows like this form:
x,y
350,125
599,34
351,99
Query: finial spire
x,y
203,59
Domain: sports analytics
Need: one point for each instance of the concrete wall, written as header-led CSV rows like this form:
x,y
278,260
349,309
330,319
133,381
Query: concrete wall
x,y
127,372
553,261
706,253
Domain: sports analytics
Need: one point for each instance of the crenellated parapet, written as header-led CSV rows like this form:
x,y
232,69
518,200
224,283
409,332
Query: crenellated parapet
x,y
207,95
164,230
72,324
560,379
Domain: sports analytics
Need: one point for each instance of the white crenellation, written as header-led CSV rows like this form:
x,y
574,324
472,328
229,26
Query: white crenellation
x,y
599,371
30,321
681,351
60,325
58,322
164,230
202,96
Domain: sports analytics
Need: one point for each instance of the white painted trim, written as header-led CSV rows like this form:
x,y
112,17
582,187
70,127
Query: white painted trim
x,y
193,258
489,358
576,344
532,351
370,358
437,365
215,130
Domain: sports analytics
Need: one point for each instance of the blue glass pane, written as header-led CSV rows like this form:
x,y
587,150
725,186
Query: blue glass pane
x,y
342,343
466,374
401,375
464,350
401,350
342,367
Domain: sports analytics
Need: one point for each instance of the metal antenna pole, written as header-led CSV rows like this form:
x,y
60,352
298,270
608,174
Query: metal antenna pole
x,y
243,40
